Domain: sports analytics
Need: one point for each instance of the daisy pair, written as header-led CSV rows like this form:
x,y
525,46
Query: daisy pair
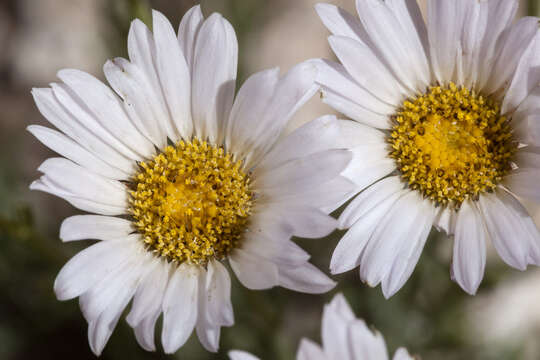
x,y
344,337
182,175
446,132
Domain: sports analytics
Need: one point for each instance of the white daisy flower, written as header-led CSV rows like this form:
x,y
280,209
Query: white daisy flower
x,y
446,133
344,337
182,178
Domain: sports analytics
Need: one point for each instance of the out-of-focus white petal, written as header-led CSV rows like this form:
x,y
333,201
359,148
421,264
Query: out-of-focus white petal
x,y
241,355
364,343
336,317
308,350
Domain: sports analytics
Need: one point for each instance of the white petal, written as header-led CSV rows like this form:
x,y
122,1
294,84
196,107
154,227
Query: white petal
x,y
120,281
408,253
272,227
402,354
410,17
347,254
89,266
304,278
83,131
102,324
218,291
81,227
514,43
524,183
526,77
149,295
336,316
327,196
66,179
510,228
68,148
528,157
249,108
369,199
279,251
354,134
100,330
308,350
306,222
145,332
179,308
254,272
44,184
142,51
187,32
343,93
214,76
208,331
103,106
241,355
526,119
315,136
444,29
366,68
354,111
504,227
301,173
469,258
370,163
209,335
145,85
175,78
365,344
142,100
501,13
394,234
394,43
445,220
340,22
292,91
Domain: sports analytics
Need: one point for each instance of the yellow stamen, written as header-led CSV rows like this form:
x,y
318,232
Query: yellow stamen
x,y
451,144
191,202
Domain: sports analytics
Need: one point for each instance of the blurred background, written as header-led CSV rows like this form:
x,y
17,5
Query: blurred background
x,y
431,316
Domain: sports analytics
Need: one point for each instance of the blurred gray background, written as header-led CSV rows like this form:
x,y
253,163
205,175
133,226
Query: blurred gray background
x,y
431,316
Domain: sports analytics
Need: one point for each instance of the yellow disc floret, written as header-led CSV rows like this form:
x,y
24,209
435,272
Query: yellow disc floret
x,y
451,144
191,202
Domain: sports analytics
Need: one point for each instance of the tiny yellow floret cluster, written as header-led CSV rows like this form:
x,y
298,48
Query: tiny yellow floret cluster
x,y
451,144
191,202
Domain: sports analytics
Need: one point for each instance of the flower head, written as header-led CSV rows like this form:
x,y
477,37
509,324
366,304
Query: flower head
x,y
344,337
445,133
181,176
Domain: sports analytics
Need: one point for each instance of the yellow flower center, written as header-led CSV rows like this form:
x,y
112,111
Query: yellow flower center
x,y
191,202
451,144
